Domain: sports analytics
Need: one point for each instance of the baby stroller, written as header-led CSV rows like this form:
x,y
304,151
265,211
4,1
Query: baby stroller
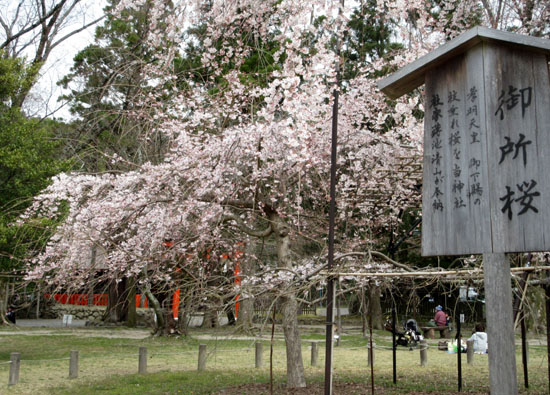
x,y
410,336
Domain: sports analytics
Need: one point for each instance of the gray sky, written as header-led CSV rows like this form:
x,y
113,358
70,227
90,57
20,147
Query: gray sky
x,y
45,94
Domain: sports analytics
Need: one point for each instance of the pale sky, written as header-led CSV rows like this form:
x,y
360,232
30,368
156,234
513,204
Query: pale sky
x,y
45,93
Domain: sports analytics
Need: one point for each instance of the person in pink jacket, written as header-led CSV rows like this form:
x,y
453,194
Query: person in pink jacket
x,y
440,316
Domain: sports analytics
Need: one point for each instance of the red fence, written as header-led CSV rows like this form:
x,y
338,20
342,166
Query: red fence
x,y
82,299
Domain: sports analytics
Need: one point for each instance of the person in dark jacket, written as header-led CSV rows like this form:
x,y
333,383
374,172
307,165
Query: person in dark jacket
x,y
10,315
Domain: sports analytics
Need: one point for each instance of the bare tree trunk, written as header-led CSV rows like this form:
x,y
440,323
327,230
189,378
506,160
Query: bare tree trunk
x,y
132,313
210,318
246,304
294,363
117,306
363,310
184,312
4,294
246,313
375,309
157,308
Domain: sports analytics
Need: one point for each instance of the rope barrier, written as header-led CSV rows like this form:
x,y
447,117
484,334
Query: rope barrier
x,y
44,360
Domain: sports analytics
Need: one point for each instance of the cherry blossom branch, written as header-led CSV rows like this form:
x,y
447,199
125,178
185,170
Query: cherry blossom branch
x,y
377,254
243,227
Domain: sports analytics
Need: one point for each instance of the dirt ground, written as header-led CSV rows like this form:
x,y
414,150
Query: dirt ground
x,y
115,333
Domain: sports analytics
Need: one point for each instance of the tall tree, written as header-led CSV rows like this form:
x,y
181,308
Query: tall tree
x,y
249,160
29,156
109,87
37,27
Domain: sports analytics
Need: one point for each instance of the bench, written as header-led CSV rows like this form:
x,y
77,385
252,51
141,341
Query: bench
x,y
429,331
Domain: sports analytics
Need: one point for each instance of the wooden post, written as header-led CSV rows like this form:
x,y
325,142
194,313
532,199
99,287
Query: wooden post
x,y
73,365
524,346
423,352
459,349
38,301
15,359
547,308
370,358
394,344
314,353
338,316
259,351
470,352
202,357
142,367
500,326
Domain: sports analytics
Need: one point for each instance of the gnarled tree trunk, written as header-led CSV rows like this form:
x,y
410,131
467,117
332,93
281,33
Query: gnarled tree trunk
x,y
294,364
375,309
117,305
246,301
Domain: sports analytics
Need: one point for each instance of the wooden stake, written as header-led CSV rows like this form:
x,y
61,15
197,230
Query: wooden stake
x,y
423,352
142,366
202,357
73,365
15,359
259,351
314,353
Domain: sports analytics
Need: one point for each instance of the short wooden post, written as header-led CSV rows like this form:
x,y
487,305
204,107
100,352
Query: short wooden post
x,y
202,357
259,351
73,365
15,359
470,352
370,358
423,352
314,353
142,367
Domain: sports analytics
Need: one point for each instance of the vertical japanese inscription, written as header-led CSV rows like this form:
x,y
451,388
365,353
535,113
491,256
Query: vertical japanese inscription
x,y
518,121
486,160
456,140
455,160
436,107
475,190
521,196
463,135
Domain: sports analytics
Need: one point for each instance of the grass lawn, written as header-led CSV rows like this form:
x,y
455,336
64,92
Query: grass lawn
x,y
109,364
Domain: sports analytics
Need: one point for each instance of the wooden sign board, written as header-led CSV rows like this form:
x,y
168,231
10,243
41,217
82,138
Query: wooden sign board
x,y
486,179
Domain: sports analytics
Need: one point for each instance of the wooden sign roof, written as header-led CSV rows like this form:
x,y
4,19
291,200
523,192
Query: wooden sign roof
x,y
412,76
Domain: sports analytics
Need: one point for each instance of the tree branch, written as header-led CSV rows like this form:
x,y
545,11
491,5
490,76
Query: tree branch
x,y
33,26
378,255
249,231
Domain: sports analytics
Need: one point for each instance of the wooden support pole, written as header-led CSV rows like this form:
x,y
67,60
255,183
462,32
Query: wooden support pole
x,y
15,359
370,355
314,353
459,348
524,346
423,352
38,301
394,344
470,352
338,330
73,365
202,357
142,367
500,325
259,351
